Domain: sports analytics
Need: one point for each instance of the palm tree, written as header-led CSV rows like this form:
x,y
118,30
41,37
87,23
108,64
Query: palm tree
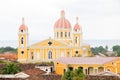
x,y
11,68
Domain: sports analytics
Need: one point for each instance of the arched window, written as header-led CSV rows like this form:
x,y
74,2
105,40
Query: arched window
x,y
22,40
57,34
69,34
50,55
65,34
61,34
76,40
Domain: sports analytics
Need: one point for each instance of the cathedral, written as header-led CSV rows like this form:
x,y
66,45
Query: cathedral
x,y
67,42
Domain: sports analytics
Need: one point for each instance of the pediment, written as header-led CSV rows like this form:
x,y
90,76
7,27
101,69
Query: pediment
x,y
49,42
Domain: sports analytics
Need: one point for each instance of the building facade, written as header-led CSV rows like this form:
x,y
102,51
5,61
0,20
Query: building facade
x,y
89,65
67,42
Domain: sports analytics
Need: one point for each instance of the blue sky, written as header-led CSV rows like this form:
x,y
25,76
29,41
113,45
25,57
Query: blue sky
x,y
99,19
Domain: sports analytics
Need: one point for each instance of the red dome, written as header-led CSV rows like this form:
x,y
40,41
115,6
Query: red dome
x,y
77,27
23,26
62,22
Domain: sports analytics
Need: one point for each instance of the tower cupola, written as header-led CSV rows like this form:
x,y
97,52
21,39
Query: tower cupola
x,y
23,27
77,27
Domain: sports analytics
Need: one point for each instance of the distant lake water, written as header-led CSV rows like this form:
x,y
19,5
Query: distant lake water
x,y
92,43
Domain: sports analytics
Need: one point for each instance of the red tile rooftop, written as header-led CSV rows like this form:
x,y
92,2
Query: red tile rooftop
x,y
34,71
8,56
86,60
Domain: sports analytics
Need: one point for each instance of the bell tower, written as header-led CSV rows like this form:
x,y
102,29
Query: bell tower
x,y
22,42
77,34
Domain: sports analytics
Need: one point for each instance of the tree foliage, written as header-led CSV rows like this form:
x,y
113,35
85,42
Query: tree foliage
x,y
68,75
99,49
11,68
77,74
116,48
6,49
118,52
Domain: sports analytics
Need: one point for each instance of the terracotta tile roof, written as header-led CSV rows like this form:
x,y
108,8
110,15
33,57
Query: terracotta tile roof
x,y
34,71
86,60
37,74
8,56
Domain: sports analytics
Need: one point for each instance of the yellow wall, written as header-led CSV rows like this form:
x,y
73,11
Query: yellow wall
x,y
22,47
59,68
60,47
113,66
22,57
25,40
79,39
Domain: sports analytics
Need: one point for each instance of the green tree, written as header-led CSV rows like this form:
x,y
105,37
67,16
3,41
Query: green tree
x,y
6,49
118,52
102,50
11,68
68,75
116,47
99,49
78,74
106,47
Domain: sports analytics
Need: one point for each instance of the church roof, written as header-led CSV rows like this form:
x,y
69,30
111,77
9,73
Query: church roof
x,y
62,22
86,60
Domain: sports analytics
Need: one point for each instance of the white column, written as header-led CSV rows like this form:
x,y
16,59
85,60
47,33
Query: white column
x,y
42,53
35,56
83,70
59,52
95,70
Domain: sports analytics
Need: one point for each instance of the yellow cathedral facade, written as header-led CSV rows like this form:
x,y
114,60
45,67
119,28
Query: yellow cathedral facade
x,y
67,42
